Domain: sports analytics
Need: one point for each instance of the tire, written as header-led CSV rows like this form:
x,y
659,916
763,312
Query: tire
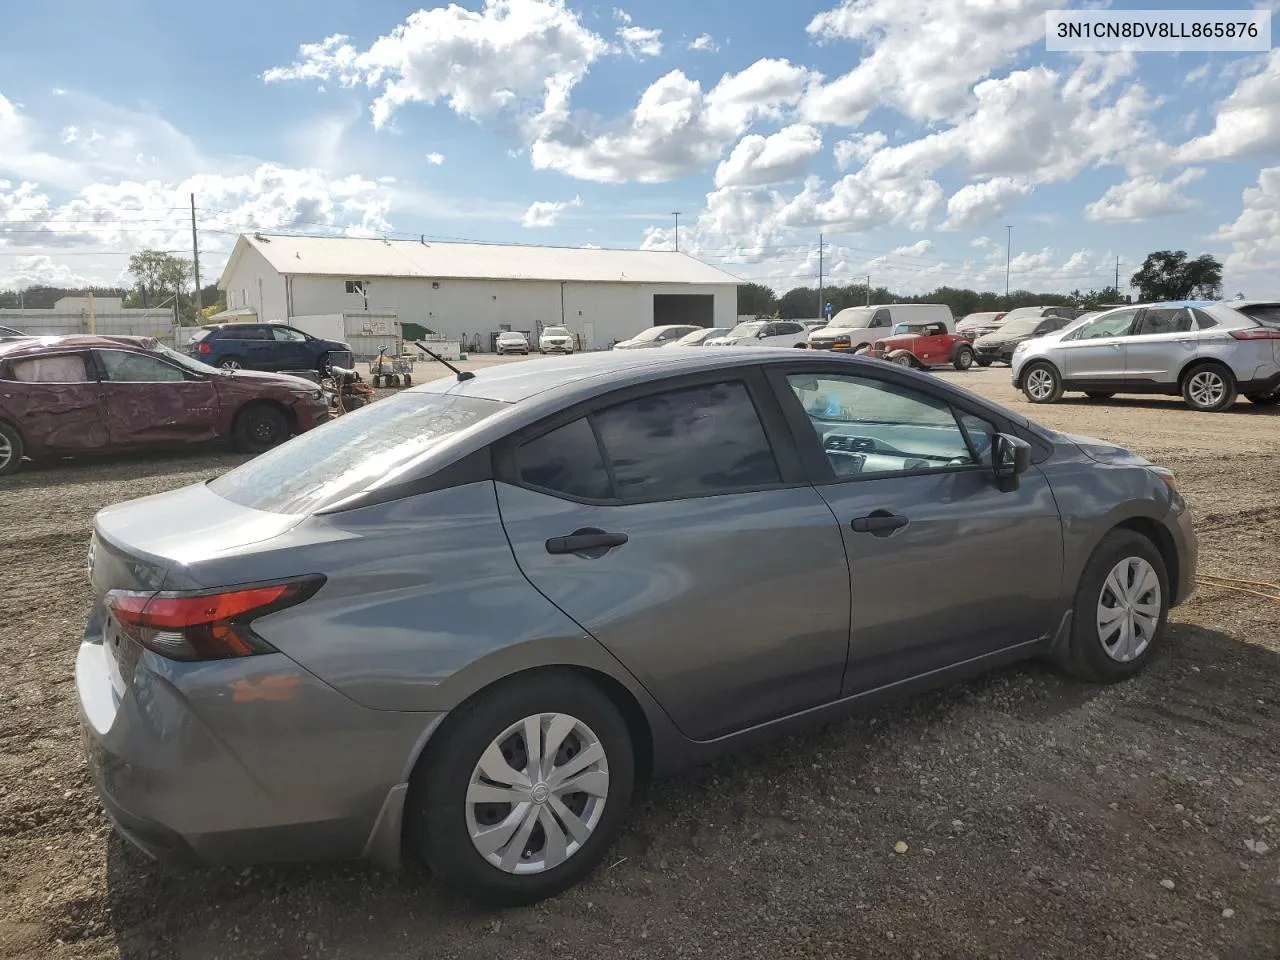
x,y
441,819
231,363
260,427
1041,383
408,380
1098,395
1095,647
1208,388
964,357
1264,399
353,403
903,360
376,380
982,361
11,448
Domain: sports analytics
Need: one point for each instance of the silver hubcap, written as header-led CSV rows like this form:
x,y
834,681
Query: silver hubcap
x,y
230,364
966,358
537,793
1206,388
1040,384
6,451
903,361
1128,609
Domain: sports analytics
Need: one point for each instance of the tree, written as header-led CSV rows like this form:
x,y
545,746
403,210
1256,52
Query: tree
x,y
158,274
757,300
1169,275
799,304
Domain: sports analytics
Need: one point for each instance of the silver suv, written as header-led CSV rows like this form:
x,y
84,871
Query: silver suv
x,y
1207,352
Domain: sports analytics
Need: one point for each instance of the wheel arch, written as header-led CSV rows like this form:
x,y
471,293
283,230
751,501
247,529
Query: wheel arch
x,y
1197,362
1161,539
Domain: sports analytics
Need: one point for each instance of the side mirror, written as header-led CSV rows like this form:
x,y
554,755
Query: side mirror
x,y
1010,458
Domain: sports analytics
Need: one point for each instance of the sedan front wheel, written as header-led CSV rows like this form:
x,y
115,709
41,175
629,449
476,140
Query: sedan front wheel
x,y
520,798
1120,610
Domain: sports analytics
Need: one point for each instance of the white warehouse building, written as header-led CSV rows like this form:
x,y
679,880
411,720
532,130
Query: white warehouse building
x,y
471,291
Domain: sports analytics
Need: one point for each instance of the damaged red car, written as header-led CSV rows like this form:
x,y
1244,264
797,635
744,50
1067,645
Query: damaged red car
x,y
63,396
924,345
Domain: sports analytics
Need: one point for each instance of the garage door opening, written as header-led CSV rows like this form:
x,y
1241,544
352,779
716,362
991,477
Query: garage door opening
x,y
693,309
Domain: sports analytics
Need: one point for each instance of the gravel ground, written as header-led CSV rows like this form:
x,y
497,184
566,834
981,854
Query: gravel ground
x,y
1040,817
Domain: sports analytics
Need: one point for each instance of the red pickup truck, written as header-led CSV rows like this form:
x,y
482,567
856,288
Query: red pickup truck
x,y
924,345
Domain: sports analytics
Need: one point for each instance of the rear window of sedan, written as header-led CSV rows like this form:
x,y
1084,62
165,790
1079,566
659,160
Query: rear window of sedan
x,y
325,466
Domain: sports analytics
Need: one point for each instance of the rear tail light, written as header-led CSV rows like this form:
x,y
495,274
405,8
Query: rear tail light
x,y
208,625
205,348
1257,333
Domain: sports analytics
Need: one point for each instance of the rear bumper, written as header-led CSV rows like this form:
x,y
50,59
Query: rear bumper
x,y
242,762
1263,385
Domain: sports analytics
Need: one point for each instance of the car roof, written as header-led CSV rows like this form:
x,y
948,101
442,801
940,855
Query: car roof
x,y
34,346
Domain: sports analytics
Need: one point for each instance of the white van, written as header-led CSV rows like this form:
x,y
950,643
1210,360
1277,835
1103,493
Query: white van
x,y
856,327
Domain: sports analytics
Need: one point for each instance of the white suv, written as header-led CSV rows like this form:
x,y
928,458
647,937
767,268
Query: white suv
x,y
555,340
764,333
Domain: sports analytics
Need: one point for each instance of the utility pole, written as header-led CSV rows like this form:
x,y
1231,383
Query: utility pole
x,y
195,256
1117,276
868,289
1008,257
676,214
821,309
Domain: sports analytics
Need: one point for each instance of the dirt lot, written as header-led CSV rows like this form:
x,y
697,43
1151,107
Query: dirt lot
x,y
1043,818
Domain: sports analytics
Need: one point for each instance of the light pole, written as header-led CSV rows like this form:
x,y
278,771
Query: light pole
x,y
1008,257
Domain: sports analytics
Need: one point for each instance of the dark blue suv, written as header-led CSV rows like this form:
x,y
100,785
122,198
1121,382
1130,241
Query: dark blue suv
x,y
265,346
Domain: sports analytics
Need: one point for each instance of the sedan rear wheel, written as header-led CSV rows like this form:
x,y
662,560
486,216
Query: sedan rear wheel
x,y
1041,383
10,449
520,798
1120,610
1209,388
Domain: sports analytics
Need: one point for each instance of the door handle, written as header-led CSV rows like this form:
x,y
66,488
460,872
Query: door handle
x,y
587,542
879,523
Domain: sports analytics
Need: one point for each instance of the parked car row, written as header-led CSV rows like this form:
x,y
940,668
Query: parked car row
x,y
63,396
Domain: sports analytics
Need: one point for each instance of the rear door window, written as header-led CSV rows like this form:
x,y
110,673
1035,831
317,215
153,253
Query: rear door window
x,y
1164,321
246,332
693,442
64,368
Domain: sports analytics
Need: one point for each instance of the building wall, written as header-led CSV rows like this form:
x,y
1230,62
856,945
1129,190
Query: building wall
x,y
600,313
255,283
120,323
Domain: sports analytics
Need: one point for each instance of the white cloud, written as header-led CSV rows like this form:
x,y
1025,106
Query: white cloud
x,y
508,56
704,43
977,203
1199,73
640,42
675,129
40,270
1255,235
547,213
861,147
1144,198
1247,122
921,56
435,159
757,160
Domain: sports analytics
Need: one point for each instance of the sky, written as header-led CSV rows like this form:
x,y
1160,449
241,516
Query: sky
x,y
907,134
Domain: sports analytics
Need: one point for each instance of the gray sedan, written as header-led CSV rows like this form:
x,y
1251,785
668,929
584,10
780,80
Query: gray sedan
x,y
467,620
1206,352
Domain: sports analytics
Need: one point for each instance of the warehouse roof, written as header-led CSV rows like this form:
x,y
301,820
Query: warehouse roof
x,y
357,258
